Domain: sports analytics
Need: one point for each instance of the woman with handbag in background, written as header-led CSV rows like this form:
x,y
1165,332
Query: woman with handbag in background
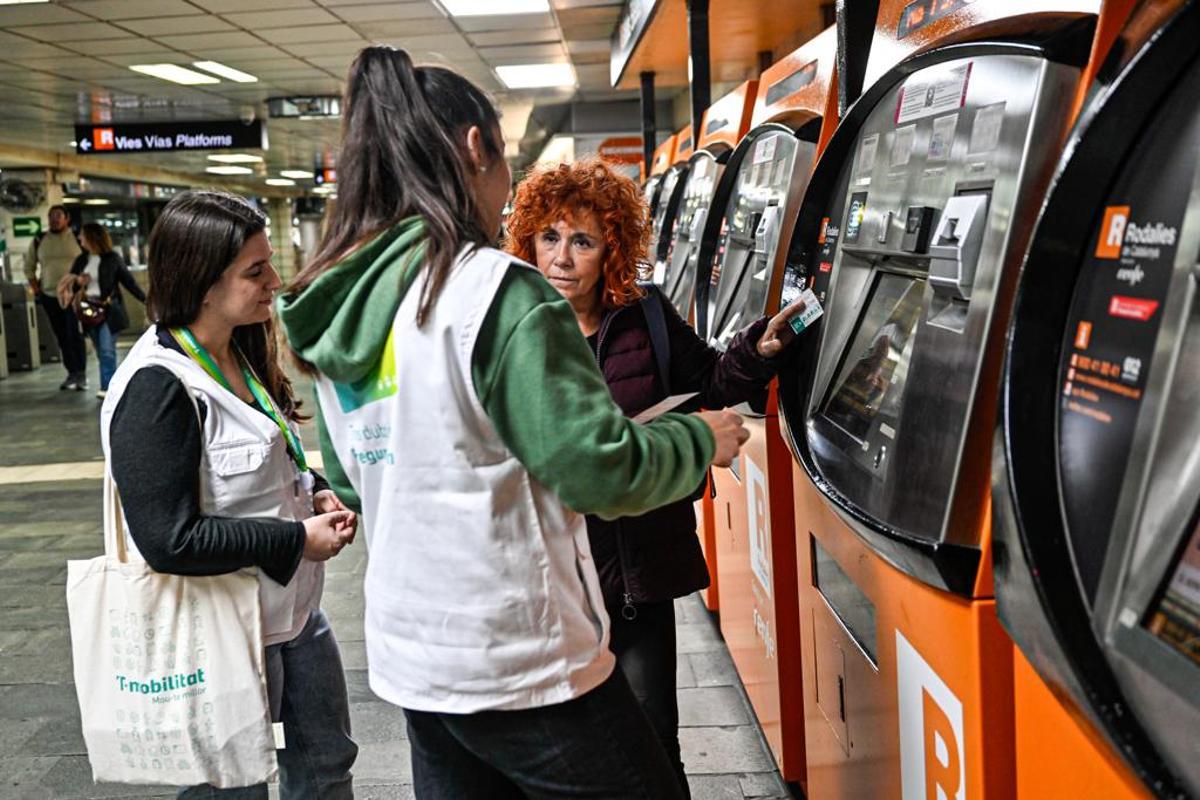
x,y
200,433
586,228
99,274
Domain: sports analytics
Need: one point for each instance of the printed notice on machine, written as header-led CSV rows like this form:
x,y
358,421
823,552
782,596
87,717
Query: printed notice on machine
x,y
902,145
985,131
866,153
663,406
927,95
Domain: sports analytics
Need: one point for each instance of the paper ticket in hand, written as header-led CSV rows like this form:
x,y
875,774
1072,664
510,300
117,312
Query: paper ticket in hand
x,y
663,406
811,313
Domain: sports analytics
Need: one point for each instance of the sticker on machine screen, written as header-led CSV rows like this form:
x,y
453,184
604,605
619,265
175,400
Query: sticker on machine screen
x,y
760,523
932,92
932,758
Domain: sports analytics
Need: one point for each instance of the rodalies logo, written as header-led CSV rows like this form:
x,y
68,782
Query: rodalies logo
x,y
932,758
1120,236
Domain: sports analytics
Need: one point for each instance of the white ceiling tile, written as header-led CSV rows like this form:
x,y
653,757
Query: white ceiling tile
x,y
18,48
224,6
282,19
37,14
523,36
71,32
310,33
199,23
387,12
107,48
505,22
234,55
526,53
308,51
198,42
589,46
390,31
131,9
593,75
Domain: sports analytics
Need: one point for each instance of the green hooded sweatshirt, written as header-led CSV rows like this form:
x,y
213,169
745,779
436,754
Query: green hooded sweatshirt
x,y
534,373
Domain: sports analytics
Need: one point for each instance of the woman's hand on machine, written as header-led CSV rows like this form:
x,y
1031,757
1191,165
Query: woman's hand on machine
x,y
728,432
779,333
326,534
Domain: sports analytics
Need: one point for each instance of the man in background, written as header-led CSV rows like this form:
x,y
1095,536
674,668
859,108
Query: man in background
x,y
52,254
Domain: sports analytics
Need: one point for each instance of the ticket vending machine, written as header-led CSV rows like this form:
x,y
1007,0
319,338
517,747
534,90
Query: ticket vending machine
x,y
670,192
755,544
48,350
911,234
1096,477
721,128
20,327
663,157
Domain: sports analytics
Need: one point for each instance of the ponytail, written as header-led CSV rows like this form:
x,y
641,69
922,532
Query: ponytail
x,y
404,154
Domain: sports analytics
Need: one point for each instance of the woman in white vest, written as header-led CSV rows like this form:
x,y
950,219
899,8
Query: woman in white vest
x,y
199,429
463,412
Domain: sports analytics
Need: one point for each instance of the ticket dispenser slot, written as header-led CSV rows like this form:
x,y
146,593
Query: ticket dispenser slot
x,y
954,256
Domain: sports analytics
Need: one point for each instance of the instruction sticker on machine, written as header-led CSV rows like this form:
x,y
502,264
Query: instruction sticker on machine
x,y
932,92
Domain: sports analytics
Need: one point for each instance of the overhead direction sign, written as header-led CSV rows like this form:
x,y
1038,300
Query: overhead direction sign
x,y
168,137
26,227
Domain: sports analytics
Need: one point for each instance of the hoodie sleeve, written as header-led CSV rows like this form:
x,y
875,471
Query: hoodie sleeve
x,y
538,382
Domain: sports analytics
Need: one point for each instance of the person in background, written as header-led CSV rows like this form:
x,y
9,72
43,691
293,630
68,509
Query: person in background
x,y
201,436
100,272
464,413
53,253
586,228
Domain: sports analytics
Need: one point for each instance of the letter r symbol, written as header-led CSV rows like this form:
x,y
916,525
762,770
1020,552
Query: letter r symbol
x,y
1112,232
941,752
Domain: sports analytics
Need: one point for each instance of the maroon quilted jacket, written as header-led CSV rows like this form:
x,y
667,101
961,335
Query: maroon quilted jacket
x,y
656,556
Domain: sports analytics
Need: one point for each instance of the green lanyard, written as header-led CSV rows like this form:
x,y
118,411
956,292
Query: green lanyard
x,y
202,357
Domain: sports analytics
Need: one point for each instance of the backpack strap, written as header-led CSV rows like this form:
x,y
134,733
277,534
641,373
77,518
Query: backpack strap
x,y
660,341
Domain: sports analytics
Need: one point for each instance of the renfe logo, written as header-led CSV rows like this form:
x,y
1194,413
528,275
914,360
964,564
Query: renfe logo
x,y
103,139
932,759
760,523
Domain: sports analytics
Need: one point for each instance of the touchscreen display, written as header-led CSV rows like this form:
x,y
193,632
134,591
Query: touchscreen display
x,y
871,380
1175,618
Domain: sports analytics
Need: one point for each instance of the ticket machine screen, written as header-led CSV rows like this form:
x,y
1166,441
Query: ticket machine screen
x,y
1175,617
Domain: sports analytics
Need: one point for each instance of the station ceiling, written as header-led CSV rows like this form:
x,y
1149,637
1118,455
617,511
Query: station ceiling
x,y
68,61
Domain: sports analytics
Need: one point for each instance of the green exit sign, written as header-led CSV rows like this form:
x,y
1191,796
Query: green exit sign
x,y
26,227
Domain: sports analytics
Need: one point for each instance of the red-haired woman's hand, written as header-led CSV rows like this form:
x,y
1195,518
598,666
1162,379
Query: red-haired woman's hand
x,y
779,333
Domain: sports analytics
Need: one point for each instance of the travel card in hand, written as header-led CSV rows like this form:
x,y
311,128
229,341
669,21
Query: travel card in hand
x,y
663,406
812,311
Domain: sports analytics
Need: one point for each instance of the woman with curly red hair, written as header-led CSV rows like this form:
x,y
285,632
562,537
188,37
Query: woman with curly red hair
x,y
586,228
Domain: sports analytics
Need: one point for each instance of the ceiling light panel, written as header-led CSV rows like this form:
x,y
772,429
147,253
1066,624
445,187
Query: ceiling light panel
x,y
536,76
490,8
230,170
229,73
235,158
174,73
280,182
298,174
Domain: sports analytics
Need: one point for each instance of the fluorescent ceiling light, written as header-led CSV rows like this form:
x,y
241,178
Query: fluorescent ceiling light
x,y
493,8
298,174
15,2
280,182
96,202
65,200
536,76
217,68
236,158
230,170
174,73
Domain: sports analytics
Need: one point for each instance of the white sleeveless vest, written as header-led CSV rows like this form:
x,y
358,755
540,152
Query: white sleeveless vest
x,y
480,590
245,472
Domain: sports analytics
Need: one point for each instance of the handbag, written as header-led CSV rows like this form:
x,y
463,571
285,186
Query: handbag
x,y
169,669
90,313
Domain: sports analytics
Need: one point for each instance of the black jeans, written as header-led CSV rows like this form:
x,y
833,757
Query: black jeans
x,y
67,333
595,746
645,650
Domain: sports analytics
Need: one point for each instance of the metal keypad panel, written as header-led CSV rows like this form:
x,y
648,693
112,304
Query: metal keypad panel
x,y
745,259
688,230
943,164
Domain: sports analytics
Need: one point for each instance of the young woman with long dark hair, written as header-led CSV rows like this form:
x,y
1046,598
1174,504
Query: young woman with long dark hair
x,y
200,433
463,408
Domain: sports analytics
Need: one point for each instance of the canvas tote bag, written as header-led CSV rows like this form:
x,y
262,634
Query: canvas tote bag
x,y
169,669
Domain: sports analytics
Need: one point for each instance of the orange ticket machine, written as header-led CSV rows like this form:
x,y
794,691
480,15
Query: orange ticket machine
x,y
1096,478
721,128
911,235
741,268
651,188
670,192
